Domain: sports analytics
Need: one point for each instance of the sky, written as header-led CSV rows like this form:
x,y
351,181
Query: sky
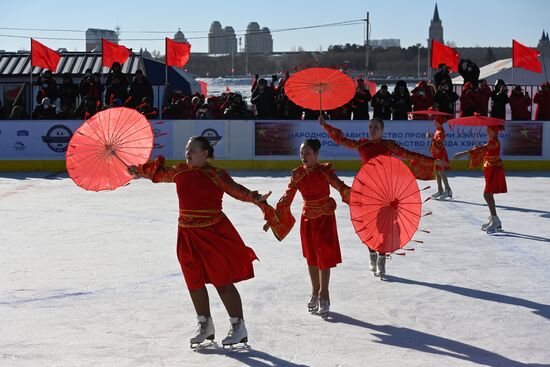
x,y
467,23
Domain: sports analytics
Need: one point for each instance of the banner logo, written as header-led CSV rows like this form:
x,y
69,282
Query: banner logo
x,y
57,138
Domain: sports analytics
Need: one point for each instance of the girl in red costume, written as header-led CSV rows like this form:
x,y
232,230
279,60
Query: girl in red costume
x,y
437,148
209,248
421,166
320,245
493,169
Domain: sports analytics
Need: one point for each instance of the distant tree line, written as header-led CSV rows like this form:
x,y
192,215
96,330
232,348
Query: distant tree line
x,y
382,62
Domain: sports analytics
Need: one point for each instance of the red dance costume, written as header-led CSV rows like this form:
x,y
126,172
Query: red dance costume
x,y
320,245
437,148
209,248
421,166
493,169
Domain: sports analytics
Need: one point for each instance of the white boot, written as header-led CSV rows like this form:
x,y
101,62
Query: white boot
x,y
204,332
373,257
237,333
446,194
488,224
313,304
437,195
324,308
496,225
381,264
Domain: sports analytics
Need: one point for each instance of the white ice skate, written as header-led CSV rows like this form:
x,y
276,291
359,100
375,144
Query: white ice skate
x,y
488,224
324,308
237,335
437,195
313,304
204,332
446,194
381,264
496,225
373,257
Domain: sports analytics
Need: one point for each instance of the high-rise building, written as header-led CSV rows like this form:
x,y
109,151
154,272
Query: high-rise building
x,y
230,44
221,40
258,40
94,36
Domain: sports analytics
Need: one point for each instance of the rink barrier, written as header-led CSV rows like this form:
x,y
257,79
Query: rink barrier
x,y
271,145
252,165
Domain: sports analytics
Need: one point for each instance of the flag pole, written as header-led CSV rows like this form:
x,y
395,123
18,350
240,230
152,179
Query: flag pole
x,y
30,80
544,67
166,61
430,50
102,80
165,68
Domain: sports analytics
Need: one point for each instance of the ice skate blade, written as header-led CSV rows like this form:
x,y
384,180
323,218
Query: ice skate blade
x,y
242,345
204,345
323,315
313,309
494,230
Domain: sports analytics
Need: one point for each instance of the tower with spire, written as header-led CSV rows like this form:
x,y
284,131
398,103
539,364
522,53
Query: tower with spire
x,y
436,28
544,44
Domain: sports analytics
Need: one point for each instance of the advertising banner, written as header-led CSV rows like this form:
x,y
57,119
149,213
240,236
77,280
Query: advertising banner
x,y
49,139
282,139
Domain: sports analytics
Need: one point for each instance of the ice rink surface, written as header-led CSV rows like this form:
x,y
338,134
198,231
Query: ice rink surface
x,y
92,279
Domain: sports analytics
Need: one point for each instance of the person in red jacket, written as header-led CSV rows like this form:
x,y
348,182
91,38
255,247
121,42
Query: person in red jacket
x,y
437,148
467,102
421,166
421,99
320,245
520,104
209,248
493,170
482,96
542,99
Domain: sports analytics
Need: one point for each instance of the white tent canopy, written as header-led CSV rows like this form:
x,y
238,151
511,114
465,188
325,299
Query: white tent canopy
x,y
502,69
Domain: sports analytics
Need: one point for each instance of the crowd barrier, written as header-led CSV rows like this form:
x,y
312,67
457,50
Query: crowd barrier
x,y
27,145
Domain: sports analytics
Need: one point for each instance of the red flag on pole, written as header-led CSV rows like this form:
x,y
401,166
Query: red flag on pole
x,y
43,56
177,53
441,54
372,87
525,57
113,53
204,87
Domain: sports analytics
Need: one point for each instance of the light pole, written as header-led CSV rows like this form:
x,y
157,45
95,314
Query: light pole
x,y
418,60
240,48
232,60
367,30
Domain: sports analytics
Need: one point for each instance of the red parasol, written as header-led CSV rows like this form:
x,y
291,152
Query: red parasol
x,y
320,88
385,204
101,150
477,120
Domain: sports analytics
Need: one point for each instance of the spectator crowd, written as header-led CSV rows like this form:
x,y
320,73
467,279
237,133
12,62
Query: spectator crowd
x,y
269,101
